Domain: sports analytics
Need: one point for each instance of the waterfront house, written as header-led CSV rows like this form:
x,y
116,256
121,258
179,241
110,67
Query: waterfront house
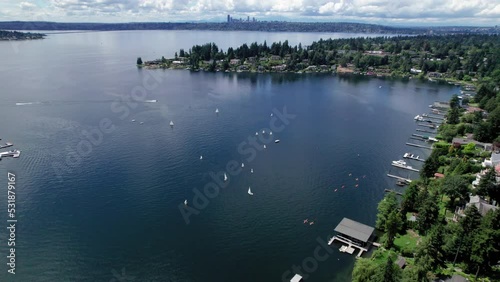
x,y
482,206
457,142
235,62
275,58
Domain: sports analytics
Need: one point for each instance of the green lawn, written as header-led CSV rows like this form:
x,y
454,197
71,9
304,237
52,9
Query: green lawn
x,y
407,242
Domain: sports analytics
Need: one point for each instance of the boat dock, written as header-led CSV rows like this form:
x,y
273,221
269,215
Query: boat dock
x,y
350,248
399,177
426,131
406,167
412,157
389,191
7,145
433,117
426,125
419,146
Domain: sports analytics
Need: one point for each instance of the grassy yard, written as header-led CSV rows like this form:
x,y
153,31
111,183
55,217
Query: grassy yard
x,y
407,243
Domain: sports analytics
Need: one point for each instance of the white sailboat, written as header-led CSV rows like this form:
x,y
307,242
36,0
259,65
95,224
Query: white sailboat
x,y
171,123
271,114
271,133
251,170
133,120
217,110
201,157
250,192
263,131
256,133
225,177
265,146
185,202
242,165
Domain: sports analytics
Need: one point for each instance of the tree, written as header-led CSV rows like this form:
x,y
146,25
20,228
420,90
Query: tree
x,y
427,214
393,225
487,185
139,61
390,273
453,116
364,270
385,207
457,189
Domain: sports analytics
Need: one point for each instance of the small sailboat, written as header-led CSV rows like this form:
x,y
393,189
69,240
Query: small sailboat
x,y
225,177
242,165
217,110
251,170
271,133
133,120
263,131
141,122
201,157
271,114
265,146
185,202
171,123
256,133
250,192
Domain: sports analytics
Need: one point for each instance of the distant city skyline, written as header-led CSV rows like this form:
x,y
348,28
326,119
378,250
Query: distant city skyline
x,y
401,13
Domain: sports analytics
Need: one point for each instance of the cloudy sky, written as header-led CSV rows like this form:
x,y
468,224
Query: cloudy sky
x,y
402,12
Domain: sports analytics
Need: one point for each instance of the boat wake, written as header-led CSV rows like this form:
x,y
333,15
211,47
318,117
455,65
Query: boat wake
x,y
28,103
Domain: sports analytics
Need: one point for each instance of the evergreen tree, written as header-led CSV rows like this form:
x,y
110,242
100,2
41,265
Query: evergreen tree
x,y
393,225
385,207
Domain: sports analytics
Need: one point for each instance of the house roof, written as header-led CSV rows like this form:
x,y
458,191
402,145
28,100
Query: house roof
x,y
355,229
401,262
495,158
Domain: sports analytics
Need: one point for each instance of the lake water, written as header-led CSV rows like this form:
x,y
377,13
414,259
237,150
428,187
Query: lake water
x,y
112,212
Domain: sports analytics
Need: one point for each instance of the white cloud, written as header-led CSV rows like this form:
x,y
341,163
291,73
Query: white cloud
x,y
485,12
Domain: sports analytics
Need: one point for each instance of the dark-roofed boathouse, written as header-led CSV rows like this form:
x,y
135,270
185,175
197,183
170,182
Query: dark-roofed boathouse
x,y
353,233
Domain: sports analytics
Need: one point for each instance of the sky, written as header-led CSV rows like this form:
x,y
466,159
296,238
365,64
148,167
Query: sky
x,y
387,12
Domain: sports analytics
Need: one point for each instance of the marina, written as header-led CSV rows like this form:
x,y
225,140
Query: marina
x,y
389,191
427,125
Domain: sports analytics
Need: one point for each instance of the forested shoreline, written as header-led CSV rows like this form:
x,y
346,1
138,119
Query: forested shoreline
x,y
465,57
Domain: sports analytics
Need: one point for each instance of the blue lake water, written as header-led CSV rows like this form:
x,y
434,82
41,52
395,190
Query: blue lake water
x,y
113,213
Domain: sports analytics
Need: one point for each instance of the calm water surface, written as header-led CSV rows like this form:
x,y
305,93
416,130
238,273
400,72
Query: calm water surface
x,y
114,213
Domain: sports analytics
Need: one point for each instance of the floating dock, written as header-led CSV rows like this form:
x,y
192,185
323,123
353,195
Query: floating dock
x,y
399,177
7,145
406,167
349,248
419,146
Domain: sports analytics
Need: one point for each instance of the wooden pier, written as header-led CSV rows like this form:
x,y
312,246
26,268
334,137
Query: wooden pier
x,y
419,146
426,125
433,117
424,130
406,167
7,145
414,158
399,177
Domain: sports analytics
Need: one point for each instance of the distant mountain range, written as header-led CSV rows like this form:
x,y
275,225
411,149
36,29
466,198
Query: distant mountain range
x,y
248,26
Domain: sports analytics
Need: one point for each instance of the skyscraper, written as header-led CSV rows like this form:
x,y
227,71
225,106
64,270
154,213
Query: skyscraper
x,y
228,18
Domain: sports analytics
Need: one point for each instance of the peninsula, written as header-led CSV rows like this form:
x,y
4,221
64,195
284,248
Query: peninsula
x,y
461,57
16,35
